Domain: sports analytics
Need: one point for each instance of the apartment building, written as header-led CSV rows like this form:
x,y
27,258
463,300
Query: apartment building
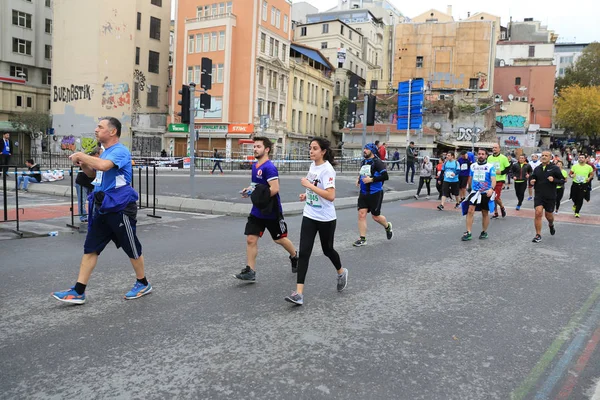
x,y
310,99
113,62
249,43
566,55
25,64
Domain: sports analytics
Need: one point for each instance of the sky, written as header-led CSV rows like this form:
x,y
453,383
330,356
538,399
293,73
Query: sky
x,y
574,21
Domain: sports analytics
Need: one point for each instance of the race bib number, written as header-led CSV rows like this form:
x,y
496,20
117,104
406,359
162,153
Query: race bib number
x,y
98,180
580,179
464,167
312,199
497,166
365,170
449,174
479,176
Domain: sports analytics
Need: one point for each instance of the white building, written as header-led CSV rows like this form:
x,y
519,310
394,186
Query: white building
x,y
565,56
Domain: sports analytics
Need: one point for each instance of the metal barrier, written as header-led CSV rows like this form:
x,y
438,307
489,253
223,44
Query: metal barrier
x,y
140,191
5,174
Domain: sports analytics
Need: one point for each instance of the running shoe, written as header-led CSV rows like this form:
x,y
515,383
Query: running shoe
x,y
503,211
574,207
342,280
426,197
440,207
556,212
70,296
495,216
552,229
416,196
138,290
529,198
537,239
247,274
517,208
466,236
483,235
296,298
388,231
576,215
457,206
360,242
294,261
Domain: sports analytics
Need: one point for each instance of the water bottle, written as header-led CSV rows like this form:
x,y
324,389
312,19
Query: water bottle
x,y
53,233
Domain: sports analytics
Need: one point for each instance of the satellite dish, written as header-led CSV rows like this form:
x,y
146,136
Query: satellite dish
x,y
522,89
437,125
511,97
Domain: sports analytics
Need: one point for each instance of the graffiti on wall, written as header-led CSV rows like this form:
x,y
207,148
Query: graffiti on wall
x,y
139,77
466,134
71,93
511,121
446,78
114,28
115,95
68,143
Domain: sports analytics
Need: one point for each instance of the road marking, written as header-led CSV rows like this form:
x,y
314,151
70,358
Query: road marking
x,y
565,392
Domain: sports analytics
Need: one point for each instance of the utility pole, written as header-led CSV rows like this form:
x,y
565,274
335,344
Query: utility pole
x,y
364,135
408,125
192,149
475,116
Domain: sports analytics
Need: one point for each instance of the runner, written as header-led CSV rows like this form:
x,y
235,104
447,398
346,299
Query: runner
x,y
450,171
483,181
581,173
370,180
521,171
501,166
266,210
544,179
560,189
318,217
438,175
533,163
463,176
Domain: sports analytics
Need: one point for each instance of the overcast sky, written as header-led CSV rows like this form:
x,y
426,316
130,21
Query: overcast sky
x,y
574,20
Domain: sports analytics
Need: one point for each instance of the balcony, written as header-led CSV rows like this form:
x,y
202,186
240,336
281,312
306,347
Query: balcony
x,y
211,18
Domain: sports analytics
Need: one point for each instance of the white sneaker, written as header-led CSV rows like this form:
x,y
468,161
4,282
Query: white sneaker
x,y
417,196
426,197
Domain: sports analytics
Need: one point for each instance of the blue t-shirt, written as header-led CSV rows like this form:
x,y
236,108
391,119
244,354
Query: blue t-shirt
x,y
471,156
5,147
120,174
450,171
371,167
481,176
465,164
262,174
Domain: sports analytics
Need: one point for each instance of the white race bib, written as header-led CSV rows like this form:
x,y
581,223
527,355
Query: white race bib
x,y
479,176
463,167
312,199
580,179
98,180
449,174
365,170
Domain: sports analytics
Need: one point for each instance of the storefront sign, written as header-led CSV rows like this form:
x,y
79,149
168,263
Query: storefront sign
x,y
211,128
178,128
341,55
241,128
512,141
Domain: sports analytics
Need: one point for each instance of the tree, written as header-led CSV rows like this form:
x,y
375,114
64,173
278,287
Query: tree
x,y
342,111
585,71
578,109
32,122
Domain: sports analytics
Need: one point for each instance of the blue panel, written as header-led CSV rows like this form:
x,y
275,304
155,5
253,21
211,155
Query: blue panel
x,y
414,99
415,123
414,110
313,54
417,85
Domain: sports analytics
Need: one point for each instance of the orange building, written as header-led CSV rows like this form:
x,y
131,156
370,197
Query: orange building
x,y
249,43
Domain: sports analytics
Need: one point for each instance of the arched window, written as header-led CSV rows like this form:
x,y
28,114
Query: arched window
x,y
337,88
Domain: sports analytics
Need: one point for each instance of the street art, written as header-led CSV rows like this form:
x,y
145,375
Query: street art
x,y
68,143
88,144
68,94
115,96
466,134
139,77
511,121
111,27
446,78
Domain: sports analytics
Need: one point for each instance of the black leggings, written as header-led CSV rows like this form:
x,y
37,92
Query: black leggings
x,y
520,190
578,192
426,181
308,232
559,195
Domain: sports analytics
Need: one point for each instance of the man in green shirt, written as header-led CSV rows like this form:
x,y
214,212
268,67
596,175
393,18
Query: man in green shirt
x,y
502,165
581,173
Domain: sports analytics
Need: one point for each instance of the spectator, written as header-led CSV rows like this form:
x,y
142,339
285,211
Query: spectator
x,y
163,153
84,186
6,152
382,152
396,160
34,177
411,154
217,158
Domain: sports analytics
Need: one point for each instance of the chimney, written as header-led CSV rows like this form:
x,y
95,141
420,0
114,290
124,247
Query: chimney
x,y
449,10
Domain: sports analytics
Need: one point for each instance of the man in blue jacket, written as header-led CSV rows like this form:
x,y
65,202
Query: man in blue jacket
x,y
113,211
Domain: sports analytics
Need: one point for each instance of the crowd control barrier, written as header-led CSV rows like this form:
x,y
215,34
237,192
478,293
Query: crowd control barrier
x,y
5,175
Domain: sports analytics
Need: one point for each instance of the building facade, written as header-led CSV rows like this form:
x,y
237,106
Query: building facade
x,y
114,63
249,44
566,55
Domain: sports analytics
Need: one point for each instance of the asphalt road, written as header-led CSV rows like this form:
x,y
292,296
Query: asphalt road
x,y
425,316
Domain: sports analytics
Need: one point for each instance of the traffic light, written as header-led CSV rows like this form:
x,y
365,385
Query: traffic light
x,y
351,116
353,87
371,110
205,101
206,77
185,104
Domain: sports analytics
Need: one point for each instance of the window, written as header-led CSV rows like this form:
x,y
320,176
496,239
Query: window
x,y
219,73
531,51
293,119
342,30
49,3
301,89
419,61
18,72
156,2
273,13
337,88
21,46
207,11
327,99
197,73
278,19
303,31
213,41
152,100
518,80
361,72
190,74
261,76
283,52
29,102
48,52
221,8
281,112
222,40
274,80
299,121
154,28
350,34
325,28
286,23
139,21
213,73
323,45
199,12
295,87
19,101
351,65
153,61
21,19
561,71
206,43
276,49
271,47
191,44
263,42
198,43
473,83
265,10
229,7
213,9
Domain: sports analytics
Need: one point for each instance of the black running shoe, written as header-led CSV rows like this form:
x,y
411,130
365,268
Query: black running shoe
x,y
537,239
247,274
495,216
440,207
388,231
503,211
552,229
294,261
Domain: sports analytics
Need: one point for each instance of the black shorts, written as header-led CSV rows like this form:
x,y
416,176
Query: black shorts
x,y
450,187
484,203
549,204
372,202
120,227
256,226
462,182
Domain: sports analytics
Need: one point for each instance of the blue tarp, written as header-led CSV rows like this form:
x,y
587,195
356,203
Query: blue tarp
x,y
313,54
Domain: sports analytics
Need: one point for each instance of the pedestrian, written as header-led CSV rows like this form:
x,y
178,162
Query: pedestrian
x,y
112,213
463,176
382,150
560,189
7,150
319,216
396,160
266,212
482,178
370,180
502,166
449,175
411,154
545,178
509,176
163,153
521,171
34,176
84,186
581,173
425,177
217,158
534,162
438,175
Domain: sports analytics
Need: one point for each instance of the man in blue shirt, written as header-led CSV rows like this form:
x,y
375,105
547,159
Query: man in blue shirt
x,y
449,175
113,211
5,151
463,176
482,178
